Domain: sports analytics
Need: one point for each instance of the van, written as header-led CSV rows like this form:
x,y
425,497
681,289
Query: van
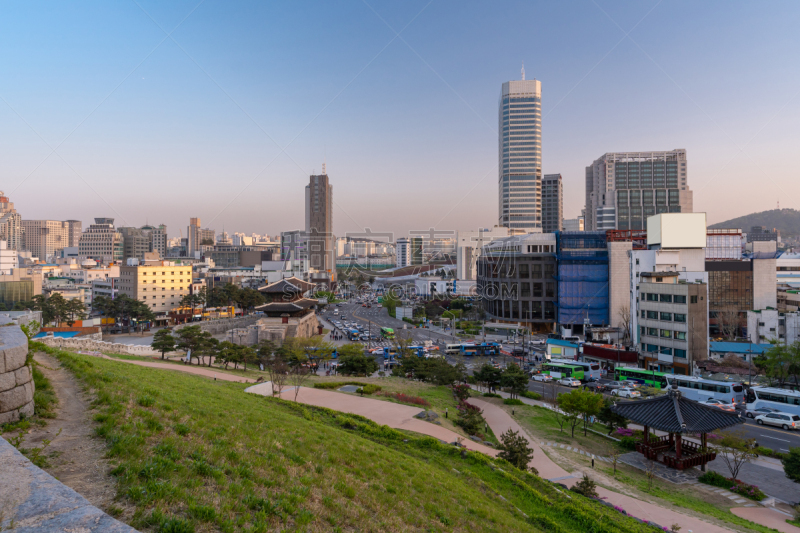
x,y
335,311
453,349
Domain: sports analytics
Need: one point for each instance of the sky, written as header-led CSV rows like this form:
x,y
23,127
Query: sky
x,y
155,112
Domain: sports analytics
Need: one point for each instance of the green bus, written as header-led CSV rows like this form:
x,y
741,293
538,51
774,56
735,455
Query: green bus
x,y
387,333
559,370
651,378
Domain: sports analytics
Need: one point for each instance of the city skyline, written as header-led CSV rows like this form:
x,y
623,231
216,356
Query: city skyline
x,y
193,103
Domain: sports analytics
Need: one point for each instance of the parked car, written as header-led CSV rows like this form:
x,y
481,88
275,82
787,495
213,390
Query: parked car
x,y
752,413
617,385
626,392
569,382
542,377
719,404
785,420
594,386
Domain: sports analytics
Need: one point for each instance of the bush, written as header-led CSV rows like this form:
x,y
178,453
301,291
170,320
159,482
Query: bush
x,y
405,398
515,449
714,478
461,392
470,418
586,487
791,464
369,388
531,395
734,485
513,401
629,443
491,395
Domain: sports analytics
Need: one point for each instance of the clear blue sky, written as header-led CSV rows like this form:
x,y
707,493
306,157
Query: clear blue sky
x,y
147,128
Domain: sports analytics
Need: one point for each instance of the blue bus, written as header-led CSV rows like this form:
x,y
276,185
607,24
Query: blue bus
x,y
353,334
488,348
419,351
469,349
389,353
313,353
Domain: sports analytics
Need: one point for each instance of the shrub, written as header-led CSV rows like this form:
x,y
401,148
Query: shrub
x,y
515,449
491,395
734,485
470,418
369,388
405,398
461,392
714,478
586,487
791,464
513,401
629,443
624,432
531,395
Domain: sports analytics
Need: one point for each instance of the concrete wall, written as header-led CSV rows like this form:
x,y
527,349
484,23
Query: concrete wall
x,y
16,379
93,345
619,282
215,327
765,284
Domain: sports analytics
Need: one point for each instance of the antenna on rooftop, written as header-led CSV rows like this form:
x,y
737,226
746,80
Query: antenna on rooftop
x,y
523,71
323,169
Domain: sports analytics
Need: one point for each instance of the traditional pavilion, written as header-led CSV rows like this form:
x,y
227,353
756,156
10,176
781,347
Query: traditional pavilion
x,y
286,290
677,416
295,308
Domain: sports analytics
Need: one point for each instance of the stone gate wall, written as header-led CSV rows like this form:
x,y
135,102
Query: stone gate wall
x,y
16,378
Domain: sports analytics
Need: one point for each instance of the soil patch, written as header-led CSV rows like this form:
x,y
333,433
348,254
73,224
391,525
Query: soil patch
x,y
75,457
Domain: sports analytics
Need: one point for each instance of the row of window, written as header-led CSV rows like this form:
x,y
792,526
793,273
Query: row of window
x,y
668,298
666,350
663,333
666,317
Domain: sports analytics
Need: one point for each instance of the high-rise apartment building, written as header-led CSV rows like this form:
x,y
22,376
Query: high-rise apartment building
x,y
319,227
294,245
552,203
136,242
520,156
624,189
74,230
44,237
101,241
197,237
403,252
10,224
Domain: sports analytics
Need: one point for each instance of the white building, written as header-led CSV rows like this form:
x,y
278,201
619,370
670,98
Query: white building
x,y
770,325
574,224
101,242
44,237
469,245
8,259
403,252
788,270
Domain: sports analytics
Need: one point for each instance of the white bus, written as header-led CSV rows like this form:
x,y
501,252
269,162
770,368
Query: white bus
x,y
452,349
591,371
700,389
785,401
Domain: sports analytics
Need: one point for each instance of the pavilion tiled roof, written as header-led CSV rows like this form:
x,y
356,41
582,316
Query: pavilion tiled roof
x,y
287,307
291,285
673,413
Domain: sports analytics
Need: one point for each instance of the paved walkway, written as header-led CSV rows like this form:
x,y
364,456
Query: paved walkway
x,y
766,517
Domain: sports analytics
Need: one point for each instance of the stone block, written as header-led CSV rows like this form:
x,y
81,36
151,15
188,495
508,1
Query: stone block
x,y
23,375
16,397
15,357
27,409
10,416
7,381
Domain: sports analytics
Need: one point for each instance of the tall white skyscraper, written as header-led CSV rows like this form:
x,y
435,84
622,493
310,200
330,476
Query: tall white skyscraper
x,y
520,154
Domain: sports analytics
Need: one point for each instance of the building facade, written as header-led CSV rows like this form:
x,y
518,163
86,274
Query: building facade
x,y
101,242
319,226
44,237
160,285
469,245
520,156
761,233
573,224
402,252
9,260
294,245
552,203
197,237
673,323
624,189
136,242
10,224
516,280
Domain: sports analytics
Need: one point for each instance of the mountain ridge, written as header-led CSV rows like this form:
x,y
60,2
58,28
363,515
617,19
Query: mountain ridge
x,y
787,221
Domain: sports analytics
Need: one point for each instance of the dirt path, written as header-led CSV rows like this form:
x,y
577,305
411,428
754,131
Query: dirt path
x,y
76,458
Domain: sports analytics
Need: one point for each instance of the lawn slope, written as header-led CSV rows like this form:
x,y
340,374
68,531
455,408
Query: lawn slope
x,y
192,454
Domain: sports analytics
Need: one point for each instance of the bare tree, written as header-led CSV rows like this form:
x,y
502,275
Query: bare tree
x,y
551,399
624,313
278,369
613,455
650,472
736,451
298,376
728,321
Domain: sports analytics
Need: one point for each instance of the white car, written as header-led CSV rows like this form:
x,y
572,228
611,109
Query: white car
x,y
784,420
719,404
569,382
542,377
626,392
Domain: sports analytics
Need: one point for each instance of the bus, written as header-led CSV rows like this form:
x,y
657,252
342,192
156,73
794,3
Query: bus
x,y
590,370
562,370
316,353
651,378
488,348
353,334
469,349
389,353
452,349
785,401
419,351
387,333
700,389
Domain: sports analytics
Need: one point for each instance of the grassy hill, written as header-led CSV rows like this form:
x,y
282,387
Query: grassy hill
x,y
786,220
194,455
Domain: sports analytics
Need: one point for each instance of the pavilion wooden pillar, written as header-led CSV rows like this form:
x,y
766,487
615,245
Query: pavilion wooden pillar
x,y
703,445
678,446
646,436
671,440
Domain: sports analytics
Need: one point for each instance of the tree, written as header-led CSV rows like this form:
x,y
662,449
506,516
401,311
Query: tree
x,y
488,375
74,310
58,306
264,352
277,368
586,487
353,361
163,341
591,404
470,418
611,419
571,404
736,451
515,449
514,379
551,397
791,464
728,321
624,314
193,341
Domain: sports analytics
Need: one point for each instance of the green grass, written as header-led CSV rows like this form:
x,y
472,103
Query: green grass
x,y
190,454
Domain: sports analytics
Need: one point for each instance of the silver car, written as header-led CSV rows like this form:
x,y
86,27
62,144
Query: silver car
x,y
784,420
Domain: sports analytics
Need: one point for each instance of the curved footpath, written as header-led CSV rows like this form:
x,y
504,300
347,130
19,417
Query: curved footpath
x,y
401,417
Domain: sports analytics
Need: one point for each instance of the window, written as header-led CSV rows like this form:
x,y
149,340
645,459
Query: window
x,y
666,298
680,353
652,348
652,332
653,315
665,350
693,299
680,317
666,334
650,297
666,316
679,299
643,314
680,335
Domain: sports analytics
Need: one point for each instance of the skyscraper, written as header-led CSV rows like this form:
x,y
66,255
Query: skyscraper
x,y
520,156
624,189
319,228
552,203
10,224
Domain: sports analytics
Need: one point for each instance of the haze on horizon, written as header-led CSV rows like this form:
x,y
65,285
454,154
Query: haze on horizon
x,y
156,113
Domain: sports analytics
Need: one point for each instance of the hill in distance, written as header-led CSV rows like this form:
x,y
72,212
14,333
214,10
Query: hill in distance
x,y
785,220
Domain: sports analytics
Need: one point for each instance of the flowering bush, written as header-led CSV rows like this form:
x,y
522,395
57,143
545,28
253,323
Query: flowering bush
x,y
470,418
461,392
624,432
734,485
405,398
